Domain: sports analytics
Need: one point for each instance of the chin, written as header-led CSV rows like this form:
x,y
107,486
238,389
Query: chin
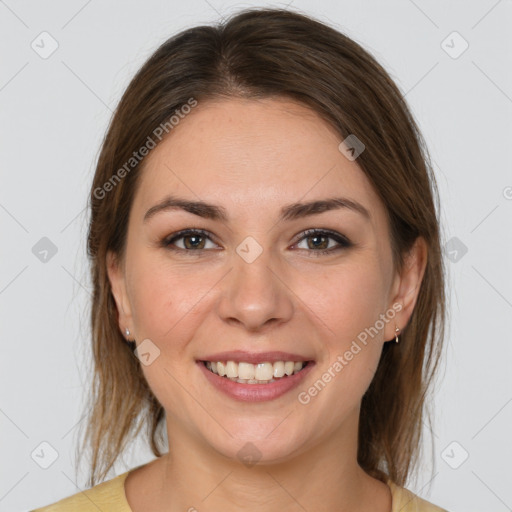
x,y
256,446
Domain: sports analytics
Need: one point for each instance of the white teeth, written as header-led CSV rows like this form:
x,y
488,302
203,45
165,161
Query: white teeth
x,y
246,371
231,369
288,367
279,369
220,369
261,373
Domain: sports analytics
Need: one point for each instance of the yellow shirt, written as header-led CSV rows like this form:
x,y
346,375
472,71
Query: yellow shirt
x,y
109,496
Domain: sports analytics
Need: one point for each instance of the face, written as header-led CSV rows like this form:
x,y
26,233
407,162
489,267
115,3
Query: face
x,y
259,282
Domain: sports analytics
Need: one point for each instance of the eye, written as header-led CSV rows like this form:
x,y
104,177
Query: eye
x,y
194,240
320,241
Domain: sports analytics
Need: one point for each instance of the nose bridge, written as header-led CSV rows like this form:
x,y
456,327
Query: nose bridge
x,y
254,293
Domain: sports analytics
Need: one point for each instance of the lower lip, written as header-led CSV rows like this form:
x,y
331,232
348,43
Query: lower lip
x,y
256,392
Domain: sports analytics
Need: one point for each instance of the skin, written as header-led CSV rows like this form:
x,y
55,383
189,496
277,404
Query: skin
x,y
252,157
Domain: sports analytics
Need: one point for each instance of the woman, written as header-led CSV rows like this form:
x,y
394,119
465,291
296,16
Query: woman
x,y
268,279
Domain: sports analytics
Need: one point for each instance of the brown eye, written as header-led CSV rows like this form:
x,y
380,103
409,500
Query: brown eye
x,y
193,240
318,241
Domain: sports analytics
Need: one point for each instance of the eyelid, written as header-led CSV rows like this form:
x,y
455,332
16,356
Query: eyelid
x,y
339,237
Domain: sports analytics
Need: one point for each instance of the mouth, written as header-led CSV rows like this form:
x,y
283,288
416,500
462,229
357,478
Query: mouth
x,y
264,377
260,373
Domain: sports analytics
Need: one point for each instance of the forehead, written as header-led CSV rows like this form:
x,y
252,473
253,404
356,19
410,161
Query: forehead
x,y
248,153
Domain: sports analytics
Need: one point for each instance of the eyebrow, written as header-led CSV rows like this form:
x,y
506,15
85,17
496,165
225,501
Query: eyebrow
x,y
290,212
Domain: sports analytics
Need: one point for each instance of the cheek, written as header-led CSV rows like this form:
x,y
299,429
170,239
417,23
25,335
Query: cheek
x,y
167,301
350,303
353,346
350,311
165,297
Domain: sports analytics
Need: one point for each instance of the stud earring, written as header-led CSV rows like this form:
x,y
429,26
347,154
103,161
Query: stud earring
x,y
397,332
127,332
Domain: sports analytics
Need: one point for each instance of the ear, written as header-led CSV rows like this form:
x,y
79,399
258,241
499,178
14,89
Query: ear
x,y
407,285
116,276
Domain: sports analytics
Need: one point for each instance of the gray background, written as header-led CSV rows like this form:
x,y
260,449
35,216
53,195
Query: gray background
x,y
54,113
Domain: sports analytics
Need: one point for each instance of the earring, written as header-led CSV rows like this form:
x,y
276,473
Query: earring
x,y
397,332
127,332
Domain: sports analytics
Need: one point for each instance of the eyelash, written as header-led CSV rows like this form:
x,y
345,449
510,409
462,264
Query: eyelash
x,y
344,242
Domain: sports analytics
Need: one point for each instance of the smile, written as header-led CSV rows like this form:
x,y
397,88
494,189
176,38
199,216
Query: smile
x,y
259,373
254,382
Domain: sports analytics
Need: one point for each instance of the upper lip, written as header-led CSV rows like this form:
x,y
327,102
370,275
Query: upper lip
x,y
254,357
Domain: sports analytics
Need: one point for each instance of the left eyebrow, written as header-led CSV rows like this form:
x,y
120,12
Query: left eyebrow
x,y
300,210
290,212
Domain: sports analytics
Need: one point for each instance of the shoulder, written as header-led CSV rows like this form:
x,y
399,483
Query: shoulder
x,y
406,501
109,495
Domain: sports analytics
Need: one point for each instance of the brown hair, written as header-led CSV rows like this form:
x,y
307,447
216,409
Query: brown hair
x,y
262,53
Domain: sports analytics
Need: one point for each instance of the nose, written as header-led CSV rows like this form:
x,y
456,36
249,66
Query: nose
x,y
255,295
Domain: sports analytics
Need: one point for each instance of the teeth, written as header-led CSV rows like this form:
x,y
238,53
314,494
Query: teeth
x,y
261,373
231,369
279,369
246,371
